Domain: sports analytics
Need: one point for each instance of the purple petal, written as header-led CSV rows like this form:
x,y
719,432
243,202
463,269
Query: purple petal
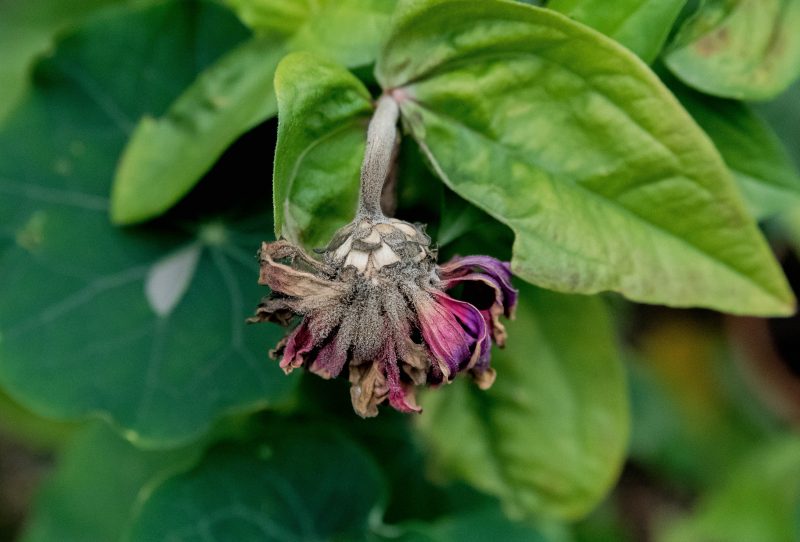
x,y
488,288
330,360
476,327
489,270
443,334
299,343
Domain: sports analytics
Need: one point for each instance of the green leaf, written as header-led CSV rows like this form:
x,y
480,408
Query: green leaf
x,y
640,25
27,30
739,48
166,157
459,219
549,437
144,327
764,171
324,111
303,485
797,522
783,114
35,432
571,141
348,31
758,502
90,496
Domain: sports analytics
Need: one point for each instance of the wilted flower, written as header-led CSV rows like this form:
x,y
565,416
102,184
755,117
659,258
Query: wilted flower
x,y
375,307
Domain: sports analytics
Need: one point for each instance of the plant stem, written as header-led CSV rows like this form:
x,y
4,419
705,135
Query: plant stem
x,y
378,156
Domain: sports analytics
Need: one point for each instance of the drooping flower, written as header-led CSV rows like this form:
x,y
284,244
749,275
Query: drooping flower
x,y
375,306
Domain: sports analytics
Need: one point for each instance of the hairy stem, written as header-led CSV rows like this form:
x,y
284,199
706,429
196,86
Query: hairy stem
x,y
379,156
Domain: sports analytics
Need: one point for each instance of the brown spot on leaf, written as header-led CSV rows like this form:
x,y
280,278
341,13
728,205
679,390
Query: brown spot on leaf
x,y
713,42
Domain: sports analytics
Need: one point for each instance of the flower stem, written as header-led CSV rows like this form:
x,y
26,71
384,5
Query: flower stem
x,y
381,140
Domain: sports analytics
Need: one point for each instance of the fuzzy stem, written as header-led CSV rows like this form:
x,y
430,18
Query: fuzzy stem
x,y
378,157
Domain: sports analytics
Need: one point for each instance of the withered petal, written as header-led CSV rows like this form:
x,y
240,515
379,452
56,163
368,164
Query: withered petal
x,y
368,388
291,282
299,343
494,311
484,379
330,360
297,257
399,397
499,273
444,336
415,362
476,327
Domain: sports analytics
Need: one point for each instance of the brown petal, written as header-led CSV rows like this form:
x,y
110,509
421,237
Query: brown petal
x,y
284,250
484,379
289,281
368,389
415,361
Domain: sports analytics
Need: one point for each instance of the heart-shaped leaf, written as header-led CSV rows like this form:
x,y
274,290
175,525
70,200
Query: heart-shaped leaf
x,y
323,111
303,485
143,327
573,142
27,29
746,49
550,436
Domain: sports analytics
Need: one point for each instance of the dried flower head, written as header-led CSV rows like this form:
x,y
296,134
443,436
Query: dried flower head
x,y
375,305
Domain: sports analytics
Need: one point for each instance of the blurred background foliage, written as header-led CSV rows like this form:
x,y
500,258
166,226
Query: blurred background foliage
x,y
107,434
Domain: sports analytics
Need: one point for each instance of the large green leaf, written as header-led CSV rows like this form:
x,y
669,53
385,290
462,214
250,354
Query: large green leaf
x,y
91,494
349,31
143,327
640,25
166,157
324,111
755,155
550,435
570,140
309,485
758,502
27,29
746,49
